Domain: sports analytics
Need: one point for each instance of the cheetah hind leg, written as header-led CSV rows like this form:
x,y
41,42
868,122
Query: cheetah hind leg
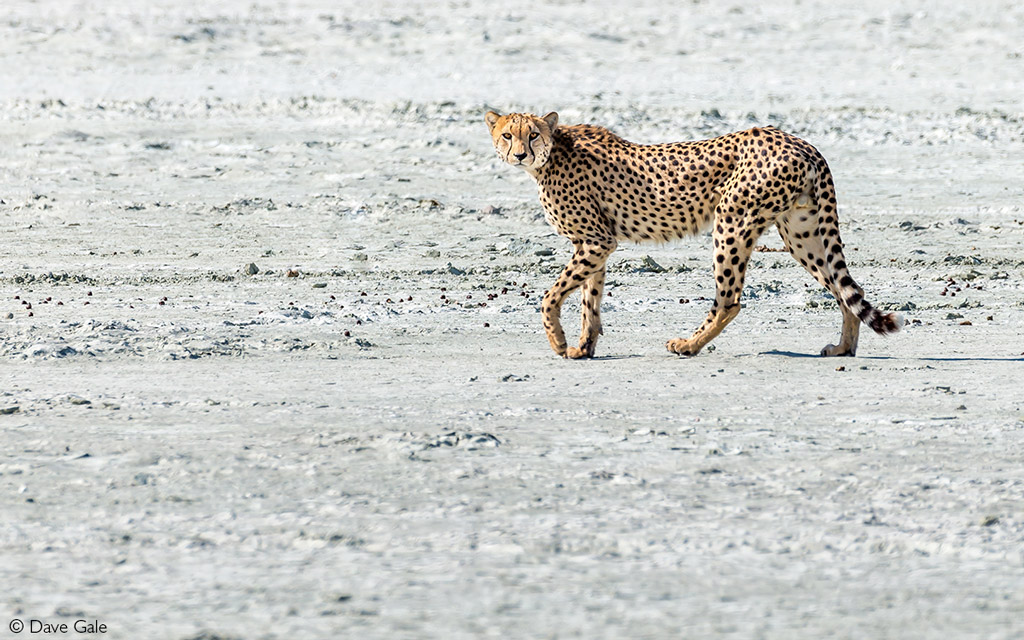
x,y
593,289
797,230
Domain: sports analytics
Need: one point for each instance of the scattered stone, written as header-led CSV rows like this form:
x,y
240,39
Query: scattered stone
x,y
142,479
360,342
292,273
251,269
988,521
432,253
319,285
965,260
455,271
360,257
6,411
471,441
78,400
650,266
545,251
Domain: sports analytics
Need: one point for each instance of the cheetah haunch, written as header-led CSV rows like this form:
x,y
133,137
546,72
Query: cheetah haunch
x,y
598,189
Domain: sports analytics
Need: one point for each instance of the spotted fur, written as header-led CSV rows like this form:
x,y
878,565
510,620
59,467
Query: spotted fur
x,y
598,189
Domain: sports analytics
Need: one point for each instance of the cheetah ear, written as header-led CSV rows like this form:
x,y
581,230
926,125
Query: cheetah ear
x,y
492,119
552,120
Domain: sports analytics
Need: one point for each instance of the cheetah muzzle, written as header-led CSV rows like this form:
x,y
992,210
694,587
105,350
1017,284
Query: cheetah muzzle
x,y
598,189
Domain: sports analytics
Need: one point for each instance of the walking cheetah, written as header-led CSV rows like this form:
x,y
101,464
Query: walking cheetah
x,y
598,189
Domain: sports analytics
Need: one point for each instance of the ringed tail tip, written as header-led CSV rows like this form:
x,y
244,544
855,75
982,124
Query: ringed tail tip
x,y
886,323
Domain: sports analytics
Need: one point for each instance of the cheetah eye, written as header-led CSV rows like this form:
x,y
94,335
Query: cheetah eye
x,y
507,136
534,135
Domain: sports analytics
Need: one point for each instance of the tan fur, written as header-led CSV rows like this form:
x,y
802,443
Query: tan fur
x,y
598,189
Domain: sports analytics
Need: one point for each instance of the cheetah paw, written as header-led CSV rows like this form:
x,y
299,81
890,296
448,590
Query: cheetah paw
x,y
681,347
575,353
833,350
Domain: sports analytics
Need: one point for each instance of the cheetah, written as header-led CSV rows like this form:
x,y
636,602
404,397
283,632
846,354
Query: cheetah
x,y
598,189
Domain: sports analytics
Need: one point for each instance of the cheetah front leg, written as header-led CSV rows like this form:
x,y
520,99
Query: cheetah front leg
x,y
590,325
588,260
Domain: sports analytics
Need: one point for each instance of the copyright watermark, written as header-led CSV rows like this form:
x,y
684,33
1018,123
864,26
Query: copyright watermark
x,y
33,626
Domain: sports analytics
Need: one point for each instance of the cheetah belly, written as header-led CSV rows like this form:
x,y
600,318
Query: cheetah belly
x,y
661,223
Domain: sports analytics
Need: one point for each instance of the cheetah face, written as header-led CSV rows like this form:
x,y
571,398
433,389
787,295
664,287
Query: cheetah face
x,y
522,139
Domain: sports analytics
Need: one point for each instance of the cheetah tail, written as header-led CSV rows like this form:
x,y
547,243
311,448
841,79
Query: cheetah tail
x,y
850,293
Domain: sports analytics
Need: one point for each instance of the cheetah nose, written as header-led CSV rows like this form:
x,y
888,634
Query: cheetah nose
x,y
520,156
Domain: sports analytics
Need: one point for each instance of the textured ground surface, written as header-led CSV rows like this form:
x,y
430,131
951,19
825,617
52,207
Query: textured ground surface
x,y
384,446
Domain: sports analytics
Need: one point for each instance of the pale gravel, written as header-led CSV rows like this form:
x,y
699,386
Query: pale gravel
x,y
229,464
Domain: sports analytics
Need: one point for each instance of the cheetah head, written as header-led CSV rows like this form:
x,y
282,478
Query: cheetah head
x,y
522,139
